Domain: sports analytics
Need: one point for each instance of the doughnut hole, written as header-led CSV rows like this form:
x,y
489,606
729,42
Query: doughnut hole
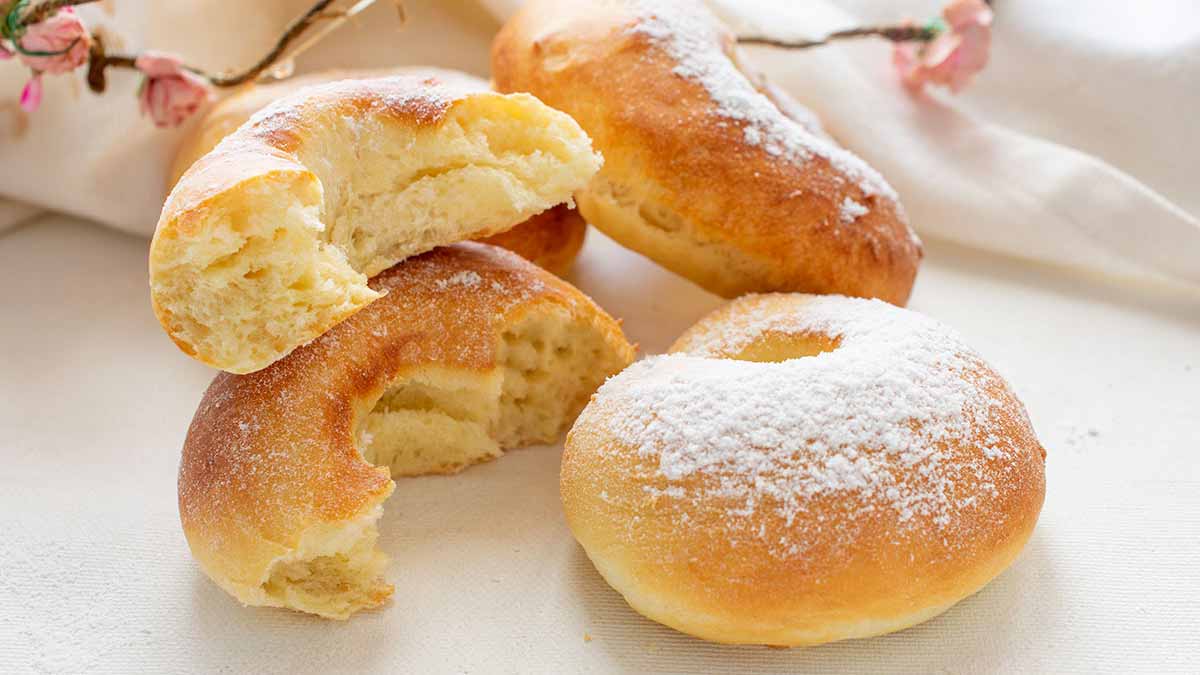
x,y
727,334
442,421
438,420
775,347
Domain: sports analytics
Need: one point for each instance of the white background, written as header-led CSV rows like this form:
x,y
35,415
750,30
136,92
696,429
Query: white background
x,y
95,573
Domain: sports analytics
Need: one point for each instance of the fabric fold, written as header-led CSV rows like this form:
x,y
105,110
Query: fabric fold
x,y
1044,157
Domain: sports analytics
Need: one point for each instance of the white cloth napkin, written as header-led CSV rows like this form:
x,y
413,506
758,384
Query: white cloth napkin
x,y
1077,146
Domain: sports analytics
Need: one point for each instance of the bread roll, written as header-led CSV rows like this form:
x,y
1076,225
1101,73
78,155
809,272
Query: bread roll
x,y
708,170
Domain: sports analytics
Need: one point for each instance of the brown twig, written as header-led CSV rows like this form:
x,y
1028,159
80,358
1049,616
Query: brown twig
x,y
314,14
98,60
45,9
892,33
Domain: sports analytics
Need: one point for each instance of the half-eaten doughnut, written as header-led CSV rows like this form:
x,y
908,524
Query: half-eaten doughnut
x,y
268,241
472,350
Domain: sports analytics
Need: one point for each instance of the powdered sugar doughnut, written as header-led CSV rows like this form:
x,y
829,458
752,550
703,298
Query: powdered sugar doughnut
x,y
708,169
803,469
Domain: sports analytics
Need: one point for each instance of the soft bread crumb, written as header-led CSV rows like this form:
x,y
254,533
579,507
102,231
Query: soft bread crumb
x,y
335,571
437,421
268,265
470,351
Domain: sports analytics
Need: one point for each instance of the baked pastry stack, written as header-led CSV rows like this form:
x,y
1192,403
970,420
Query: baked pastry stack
x,y
285,256
800,468
268,240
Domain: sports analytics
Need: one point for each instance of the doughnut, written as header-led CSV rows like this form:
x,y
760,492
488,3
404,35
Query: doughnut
x,y
226,116
551,239
471,350
708,170
801,469
268,240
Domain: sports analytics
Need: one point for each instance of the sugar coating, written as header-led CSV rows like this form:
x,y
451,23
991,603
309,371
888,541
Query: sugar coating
x,y
465,278
425,98
851,211
870,421
694,38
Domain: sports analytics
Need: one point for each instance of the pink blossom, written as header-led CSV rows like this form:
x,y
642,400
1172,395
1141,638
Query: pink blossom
x,y
63,32
31,95
170,94
4,53
953,57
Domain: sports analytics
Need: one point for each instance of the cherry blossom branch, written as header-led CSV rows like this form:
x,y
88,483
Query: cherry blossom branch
x,y
49,38
901,33
318,12
947,51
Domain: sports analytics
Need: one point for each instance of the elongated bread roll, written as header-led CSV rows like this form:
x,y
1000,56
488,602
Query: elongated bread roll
x,y
708,170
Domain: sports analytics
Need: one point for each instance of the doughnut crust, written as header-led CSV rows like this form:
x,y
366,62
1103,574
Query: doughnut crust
x,y
803,469
268,240
551,239
472,350
708,170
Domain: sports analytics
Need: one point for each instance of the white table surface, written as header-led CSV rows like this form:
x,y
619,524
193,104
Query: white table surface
x,y
95,573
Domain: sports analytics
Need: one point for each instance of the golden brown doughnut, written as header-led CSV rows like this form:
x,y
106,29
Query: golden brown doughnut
x,y
704,171
802,469
268,240
471,351
551,239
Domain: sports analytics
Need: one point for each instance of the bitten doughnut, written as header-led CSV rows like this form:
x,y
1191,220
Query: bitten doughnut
x,y
708,170
802,469
550,239
284,472
267,241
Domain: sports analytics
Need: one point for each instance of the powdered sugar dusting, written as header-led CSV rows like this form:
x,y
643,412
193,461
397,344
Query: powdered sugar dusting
x,y
851,211
694,38
424,98
465,279
873,420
